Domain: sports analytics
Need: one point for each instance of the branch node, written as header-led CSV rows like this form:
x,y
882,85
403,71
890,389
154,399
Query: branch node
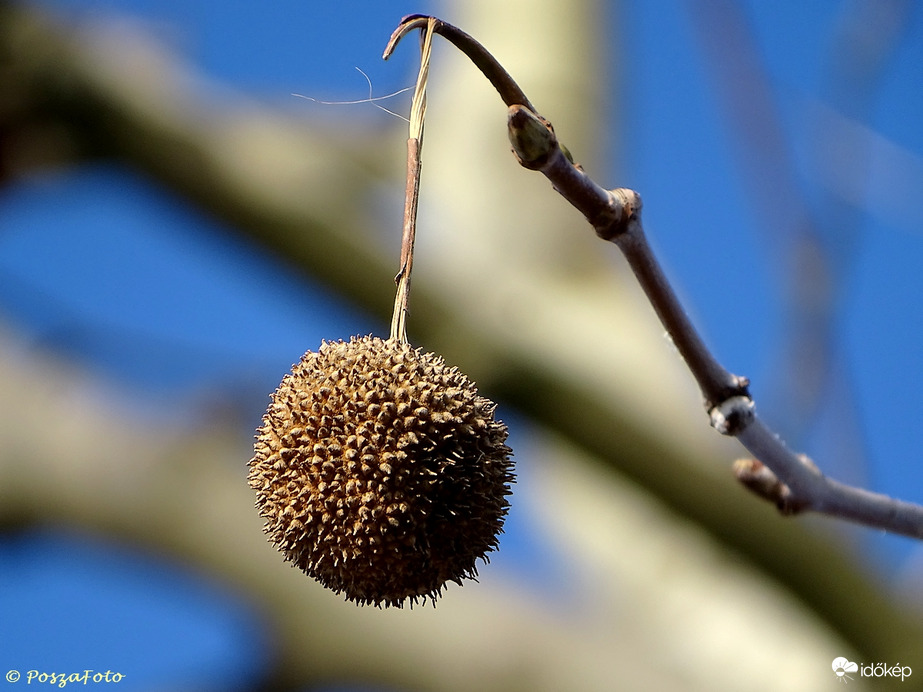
x,y
732,415
613,219
760,480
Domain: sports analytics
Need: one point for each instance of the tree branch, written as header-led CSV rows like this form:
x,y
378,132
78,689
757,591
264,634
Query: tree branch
x,y
616,217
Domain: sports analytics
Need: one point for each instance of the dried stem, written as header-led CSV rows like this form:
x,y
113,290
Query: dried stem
x,y
789,480
412,189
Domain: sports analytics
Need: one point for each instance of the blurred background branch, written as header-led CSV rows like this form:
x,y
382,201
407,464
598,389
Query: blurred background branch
x,y
510,287
812,238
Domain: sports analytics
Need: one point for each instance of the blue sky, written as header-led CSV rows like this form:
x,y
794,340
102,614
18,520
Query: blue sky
x,y
93,287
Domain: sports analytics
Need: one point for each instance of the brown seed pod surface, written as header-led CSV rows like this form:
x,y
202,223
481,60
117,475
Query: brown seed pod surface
x,y
380,471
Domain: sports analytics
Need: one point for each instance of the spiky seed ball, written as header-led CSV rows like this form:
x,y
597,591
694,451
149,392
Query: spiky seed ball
x,y
380,471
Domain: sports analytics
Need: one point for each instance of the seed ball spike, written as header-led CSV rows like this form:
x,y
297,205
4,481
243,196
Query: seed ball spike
x,y
381,472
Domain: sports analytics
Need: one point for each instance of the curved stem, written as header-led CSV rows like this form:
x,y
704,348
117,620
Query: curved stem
x,y
506,86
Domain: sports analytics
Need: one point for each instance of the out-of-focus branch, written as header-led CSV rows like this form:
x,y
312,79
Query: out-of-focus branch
x,y
108,91
294,191
74,456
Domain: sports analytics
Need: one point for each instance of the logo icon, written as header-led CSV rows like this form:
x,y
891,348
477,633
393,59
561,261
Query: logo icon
x,y
841,666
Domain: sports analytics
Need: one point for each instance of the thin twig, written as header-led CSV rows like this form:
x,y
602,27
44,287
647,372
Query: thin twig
x,y
791,481
810,490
